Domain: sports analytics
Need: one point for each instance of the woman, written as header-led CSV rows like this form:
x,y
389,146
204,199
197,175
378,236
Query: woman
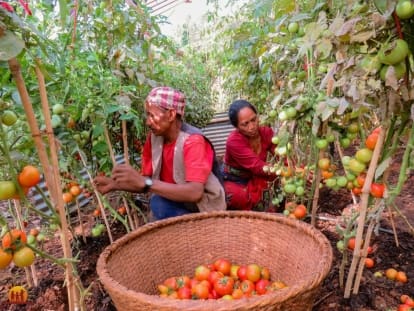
x,y
247,149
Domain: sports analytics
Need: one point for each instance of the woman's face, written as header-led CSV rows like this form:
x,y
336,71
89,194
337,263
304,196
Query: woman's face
x,y
248,122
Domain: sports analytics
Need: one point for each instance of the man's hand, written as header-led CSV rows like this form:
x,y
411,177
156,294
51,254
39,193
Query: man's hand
x,y
128,178
104,184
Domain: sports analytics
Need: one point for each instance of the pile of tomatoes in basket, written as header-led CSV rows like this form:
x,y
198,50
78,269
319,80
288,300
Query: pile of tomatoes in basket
x,y
221,279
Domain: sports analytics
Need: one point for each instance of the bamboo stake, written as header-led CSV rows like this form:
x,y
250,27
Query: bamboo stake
x,y
31,278
111,152
364,252
98,198
16,73
56,190
363,212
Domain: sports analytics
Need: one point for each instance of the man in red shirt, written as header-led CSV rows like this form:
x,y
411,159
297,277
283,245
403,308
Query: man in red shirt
x,y
179,165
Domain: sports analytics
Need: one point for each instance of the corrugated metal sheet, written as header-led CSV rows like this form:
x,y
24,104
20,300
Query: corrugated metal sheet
x,y
217,131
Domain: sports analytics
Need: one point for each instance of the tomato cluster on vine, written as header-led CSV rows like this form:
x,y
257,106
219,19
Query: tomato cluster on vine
x,y
14,248
221,279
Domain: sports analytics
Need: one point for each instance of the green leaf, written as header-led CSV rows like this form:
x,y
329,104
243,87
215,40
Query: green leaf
x,y
10,46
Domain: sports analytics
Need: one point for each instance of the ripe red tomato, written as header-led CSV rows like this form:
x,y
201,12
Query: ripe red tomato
x,y
183,281
224,285
241,273
184,293
214,275
253,272
200,291
171,283
29,176
223,265
247,287
377,190
202,272
262,286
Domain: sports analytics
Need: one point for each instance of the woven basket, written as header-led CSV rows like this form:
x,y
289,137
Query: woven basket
x,y
295,252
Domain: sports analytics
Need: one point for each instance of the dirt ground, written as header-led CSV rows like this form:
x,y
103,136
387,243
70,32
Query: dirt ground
x,y
375,293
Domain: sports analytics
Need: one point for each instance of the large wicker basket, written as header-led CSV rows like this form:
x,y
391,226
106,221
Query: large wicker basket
x,y
295,252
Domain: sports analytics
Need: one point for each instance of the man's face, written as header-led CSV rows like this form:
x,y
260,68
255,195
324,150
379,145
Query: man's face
x,y
158,119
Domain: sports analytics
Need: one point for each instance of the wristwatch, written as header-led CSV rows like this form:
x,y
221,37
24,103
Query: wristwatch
x,y
148,184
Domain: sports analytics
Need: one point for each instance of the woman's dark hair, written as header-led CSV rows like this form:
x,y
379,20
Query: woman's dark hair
x,y
235,107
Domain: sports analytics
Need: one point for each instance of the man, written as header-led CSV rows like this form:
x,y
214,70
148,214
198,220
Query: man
x,y
178,162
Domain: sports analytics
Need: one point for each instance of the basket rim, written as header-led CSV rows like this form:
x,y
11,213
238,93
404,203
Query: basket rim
x,y
114,286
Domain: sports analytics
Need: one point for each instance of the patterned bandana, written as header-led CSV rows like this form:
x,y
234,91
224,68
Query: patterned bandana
x,y
168,98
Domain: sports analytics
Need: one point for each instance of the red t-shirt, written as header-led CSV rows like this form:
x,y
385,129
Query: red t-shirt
x,y
198,159
240,155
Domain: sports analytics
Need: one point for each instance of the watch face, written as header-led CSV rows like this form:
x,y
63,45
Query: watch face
x,y
148,182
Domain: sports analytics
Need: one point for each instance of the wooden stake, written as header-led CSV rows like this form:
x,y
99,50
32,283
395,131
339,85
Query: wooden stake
x,y
363,212
47,169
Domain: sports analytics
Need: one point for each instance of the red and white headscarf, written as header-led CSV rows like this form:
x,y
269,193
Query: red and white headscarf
x,y
168,98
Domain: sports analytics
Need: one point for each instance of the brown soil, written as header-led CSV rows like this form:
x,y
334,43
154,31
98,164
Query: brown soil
x,y
375,293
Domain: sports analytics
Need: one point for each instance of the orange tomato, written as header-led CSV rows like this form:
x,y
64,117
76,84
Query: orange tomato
x,y
369,262
29,176
5,258
371,141
327,174
75,190
122,210
67,197
401,277
14,239
324,163
351,243
253,272
97,212
300,211
237,293
391,273
361,179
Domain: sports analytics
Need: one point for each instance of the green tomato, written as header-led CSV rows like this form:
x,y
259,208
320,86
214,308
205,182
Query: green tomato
x,y
364,155
353,128
330,138
275,140
58,109
272,113
293,27
283,116
8,117
31,239
356,167
300,191
96,231
7,190
340,245
345,142
393,52
291,112
341,181
330,182
321,143
345,160
289,188
404,9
